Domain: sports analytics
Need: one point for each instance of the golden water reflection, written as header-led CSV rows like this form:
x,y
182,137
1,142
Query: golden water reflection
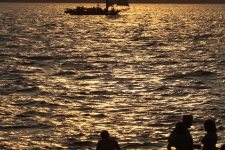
x,y
66,78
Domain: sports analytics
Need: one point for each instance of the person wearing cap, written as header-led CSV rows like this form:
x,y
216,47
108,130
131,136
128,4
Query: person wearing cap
x,y
187,120
106,143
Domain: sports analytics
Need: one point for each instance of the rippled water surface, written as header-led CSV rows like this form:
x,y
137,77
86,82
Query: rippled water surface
x,y
65,78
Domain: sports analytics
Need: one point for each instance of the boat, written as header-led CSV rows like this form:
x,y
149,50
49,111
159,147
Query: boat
x,y
108,10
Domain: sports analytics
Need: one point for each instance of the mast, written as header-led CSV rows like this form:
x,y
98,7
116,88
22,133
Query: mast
x,y
98,3
110,3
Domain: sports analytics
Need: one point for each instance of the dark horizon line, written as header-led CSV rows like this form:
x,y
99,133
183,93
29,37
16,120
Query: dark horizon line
x,y
130,1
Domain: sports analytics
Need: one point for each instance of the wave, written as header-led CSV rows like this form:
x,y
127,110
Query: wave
x,y
198,73
39,125
34,103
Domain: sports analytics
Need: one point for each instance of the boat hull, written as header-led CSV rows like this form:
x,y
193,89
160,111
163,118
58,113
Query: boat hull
x,y
91,12
75,13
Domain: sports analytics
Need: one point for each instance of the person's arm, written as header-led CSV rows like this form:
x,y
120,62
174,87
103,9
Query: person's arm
x,y
172,134
209,139
117,146
98,145
169,146
171,143
206,140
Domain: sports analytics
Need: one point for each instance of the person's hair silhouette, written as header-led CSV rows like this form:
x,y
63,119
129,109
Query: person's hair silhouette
x,y
104,134
187,120
181,128
210,126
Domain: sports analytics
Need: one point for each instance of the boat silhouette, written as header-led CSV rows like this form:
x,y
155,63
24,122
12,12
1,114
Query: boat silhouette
x,y
108,10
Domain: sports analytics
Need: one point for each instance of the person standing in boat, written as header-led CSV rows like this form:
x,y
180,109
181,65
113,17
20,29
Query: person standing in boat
x,y
106,143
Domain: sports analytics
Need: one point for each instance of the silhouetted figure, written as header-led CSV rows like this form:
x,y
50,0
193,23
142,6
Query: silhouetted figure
x,y
222,147
182,140
210,139
187,120
106,143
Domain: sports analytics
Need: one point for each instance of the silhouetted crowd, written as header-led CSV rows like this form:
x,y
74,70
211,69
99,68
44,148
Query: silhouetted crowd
x,y
180,137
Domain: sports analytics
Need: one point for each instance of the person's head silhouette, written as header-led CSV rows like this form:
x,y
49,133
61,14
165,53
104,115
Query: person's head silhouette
x,y
104,134
106,142
187,120
210,126
181,128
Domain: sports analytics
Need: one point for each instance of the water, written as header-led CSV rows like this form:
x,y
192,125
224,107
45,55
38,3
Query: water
x,y
65,78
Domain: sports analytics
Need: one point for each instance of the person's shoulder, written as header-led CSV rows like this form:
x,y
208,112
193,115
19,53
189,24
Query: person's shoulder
x,y
99,141
188,131
113,140
188,135
173,132
212,134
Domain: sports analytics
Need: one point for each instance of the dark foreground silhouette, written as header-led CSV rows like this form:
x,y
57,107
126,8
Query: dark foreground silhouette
x,y
187,121
210,139
222,147
106,143
182,140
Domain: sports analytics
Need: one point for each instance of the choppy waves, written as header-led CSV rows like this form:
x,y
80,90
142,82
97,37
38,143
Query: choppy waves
x,y
65,78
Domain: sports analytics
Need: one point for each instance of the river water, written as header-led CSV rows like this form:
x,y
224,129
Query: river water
x,y
65,78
